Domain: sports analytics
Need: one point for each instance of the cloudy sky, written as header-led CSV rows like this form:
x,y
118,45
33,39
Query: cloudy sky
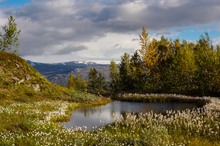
x,y
101,30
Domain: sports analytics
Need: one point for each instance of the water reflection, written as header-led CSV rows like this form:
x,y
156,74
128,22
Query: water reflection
x,y
93,117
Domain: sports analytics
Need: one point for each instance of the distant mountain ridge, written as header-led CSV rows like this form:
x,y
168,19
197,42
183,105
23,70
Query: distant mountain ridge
x,y
59,72
55,68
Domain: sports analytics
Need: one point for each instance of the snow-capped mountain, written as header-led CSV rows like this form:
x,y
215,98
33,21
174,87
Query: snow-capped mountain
x,y
59,72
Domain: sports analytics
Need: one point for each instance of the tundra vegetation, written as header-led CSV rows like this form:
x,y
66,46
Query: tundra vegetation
x,y
32,108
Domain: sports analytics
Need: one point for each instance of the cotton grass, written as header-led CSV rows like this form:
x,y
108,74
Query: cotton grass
x,y
38,123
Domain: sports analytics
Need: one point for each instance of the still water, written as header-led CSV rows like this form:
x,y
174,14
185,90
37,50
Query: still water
x,y
89,118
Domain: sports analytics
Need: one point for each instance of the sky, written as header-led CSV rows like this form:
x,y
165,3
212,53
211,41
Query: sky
x,y
55,31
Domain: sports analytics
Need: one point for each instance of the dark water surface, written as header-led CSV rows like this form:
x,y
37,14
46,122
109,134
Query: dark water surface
x,y
93,117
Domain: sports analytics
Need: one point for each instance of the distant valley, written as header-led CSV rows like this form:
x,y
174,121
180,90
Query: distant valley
x,y
58,73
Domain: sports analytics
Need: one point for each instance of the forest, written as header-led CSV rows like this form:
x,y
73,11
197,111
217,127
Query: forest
x,y
164,66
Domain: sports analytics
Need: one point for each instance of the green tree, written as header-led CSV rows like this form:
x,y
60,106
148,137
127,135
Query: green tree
x,y
148,51
9,39
162,70
207,66
150,58
114,76
80,83
96,83
71,81
137,71
184,69
217,80
125,73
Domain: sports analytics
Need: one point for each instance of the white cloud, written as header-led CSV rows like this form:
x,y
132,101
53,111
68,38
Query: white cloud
x,y
112,46
3,18
216,41
172,3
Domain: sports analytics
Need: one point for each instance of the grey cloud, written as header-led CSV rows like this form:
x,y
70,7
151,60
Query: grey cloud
x,y
135,39
69,49
192,13
154,16
115,54
105,14
116,46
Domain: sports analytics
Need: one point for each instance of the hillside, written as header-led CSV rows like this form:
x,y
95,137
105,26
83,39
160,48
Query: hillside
x,y
58,73
20,81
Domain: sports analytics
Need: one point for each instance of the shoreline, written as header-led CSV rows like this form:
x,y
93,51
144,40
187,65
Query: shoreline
x,y
211,103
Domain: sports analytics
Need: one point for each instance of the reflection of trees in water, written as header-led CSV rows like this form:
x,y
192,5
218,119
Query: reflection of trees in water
x,y
118,109
125,115
115,108
90,111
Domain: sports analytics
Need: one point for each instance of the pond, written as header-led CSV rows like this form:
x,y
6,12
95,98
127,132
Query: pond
x,y
89,118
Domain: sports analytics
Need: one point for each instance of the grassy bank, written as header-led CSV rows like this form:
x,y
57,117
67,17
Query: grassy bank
x,y
134,97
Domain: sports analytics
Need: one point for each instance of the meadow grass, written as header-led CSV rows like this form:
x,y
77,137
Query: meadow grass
x,y
38,123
